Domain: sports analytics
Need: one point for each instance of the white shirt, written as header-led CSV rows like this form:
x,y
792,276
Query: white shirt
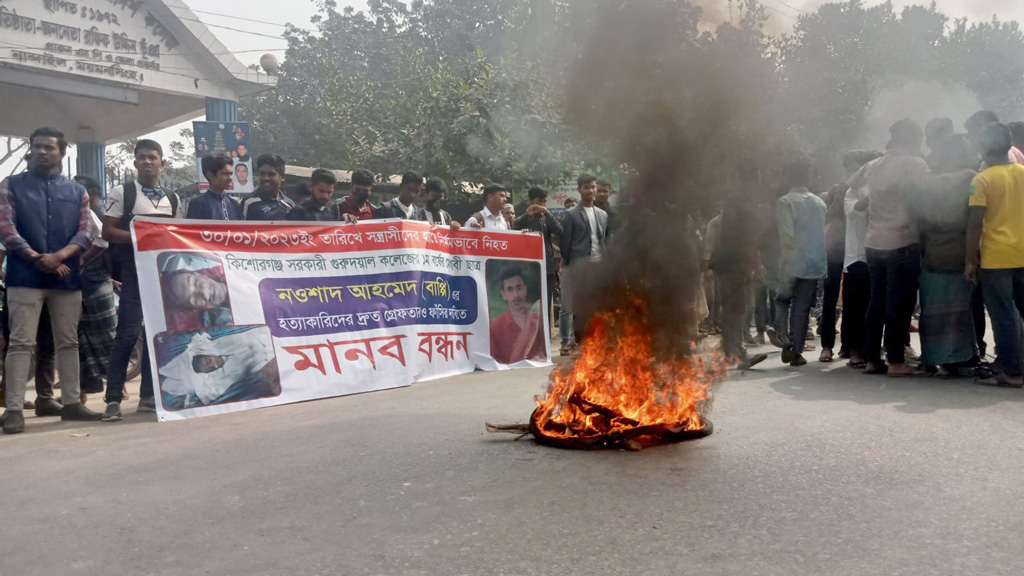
x,y
492,221
410,212
856,228
143,205
595,240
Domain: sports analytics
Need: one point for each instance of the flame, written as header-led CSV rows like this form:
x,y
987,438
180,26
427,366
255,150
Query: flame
x,y
618,385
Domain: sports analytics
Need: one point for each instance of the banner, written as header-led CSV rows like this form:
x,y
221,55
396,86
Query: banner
x,y
242,315
232,138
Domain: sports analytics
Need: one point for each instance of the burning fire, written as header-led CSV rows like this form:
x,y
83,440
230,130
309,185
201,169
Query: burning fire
x,y
618,391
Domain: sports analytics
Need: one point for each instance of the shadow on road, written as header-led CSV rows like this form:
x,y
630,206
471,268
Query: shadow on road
x,y
836,382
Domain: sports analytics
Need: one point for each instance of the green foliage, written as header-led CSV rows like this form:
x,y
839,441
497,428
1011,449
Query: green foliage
x,y
478,90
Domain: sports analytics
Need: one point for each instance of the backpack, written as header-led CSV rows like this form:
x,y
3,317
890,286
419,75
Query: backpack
x,y
124,254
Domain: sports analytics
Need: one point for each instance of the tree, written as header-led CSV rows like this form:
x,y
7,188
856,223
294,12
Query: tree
x,y
478,90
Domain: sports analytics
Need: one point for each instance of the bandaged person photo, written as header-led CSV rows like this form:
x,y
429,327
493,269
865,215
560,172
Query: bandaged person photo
x,y
216,366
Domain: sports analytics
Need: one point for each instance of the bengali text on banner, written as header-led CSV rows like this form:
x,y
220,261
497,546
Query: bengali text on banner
x,y
243,315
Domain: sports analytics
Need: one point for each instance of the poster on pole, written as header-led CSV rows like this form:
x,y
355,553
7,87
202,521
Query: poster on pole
x,y
243,315
232,138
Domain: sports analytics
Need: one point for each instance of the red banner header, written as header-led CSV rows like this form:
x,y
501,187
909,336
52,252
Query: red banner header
x,y
155,234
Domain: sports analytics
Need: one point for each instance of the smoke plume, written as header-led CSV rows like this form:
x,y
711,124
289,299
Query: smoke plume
x,y
681,115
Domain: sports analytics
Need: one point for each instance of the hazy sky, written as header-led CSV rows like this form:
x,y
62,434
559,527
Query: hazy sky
x,y
257,38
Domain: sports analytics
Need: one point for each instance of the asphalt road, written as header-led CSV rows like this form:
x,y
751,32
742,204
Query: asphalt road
x,y
809,472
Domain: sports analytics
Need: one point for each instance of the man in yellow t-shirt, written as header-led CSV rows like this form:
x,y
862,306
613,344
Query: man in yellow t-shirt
x,y
996,232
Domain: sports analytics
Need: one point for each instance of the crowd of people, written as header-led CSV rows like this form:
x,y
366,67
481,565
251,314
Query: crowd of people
x,y
939,237
67,249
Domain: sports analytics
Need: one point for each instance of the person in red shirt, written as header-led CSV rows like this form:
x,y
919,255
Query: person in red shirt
x,y
518,334
357,206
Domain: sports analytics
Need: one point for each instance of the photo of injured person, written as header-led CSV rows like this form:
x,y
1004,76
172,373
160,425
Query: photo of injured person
x,y
195,292
216,366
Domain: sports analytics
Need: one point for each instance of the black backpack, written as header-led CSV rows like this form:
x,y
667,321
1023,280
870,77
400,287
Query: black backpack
x,y
123,254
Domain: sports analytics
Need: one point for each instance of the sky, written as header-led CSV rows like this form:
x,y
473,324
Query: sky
x,y
261,31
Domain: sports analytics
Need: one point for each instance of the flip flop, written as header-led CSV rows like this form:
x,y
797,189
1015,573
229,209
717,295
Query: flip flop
x,y
826,356
999,381
880,370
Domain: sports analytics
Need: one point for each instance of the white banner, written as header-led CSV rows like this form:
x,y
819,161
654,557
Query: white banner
x,y
242,315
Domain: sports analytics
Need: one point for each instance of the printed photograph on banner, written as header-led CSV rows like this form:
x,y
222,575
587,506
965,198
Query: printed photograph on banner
x,y
243,176
216,366
515,302
195,292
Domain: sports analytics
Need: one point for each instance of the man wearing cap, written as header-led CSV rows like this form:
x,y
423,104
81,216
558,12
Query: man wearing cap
x,y
538,219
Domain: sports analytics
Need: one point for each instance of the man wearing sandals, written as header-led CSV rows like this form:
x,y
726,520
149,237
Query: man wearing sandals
x,y
995,230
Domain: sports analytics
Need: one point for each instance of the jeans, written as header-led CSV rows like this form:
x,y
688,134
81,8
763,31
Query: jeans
x,y
856,297
26,306
735,294
895,277
129,326
793,310
833,284
1004,298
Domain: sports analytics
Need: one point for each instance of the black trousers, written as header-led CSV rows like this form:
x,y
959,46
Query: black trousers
x,y
734,291
895,278
833,285
856,297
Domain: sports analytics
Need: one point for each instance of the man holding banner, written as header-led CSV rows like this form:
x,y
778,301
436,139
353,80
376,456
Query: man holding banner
x,y
144,197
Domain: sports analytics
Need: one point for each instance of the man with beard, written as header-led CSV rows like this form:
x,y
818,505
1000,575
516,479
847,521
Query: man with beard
x,y
320,207
435,191
518,334
584,231
357,207
45,225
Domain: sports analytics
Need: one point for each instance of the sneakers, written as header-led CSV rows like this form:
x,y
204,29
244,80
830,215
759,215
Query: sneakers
x,y
14,422
147,405
80,413
798,361
773,337
113,412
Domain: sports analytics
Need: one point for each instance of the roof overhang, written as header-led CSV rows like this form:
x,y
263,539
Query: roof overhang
x,y
107,70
